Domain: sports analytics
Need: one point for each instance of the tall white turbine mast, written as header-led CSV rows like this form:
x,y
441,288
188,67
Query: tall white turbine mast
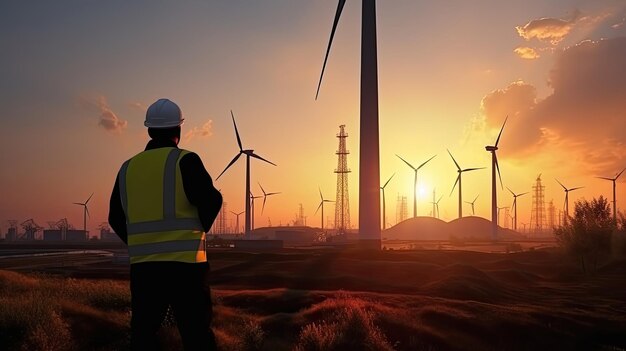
x,y
237,215
415,169
566,205
248,153
494,197
514,207
614,198
321,205
384,210
471,203
85,212
369,158
458,181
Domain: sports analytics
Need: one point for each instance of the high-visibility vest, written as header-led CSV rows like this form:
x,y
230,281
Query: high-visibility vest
x,y
162,224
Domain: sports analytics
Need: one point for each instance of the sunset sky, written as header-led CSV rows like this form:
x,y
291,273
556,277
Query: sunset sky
x,y
77,77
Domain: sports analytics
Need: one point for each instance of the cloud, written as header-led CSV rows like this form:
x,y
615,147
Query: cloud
x,y
137,105
107,119
552,30
205,131
585,114
526,52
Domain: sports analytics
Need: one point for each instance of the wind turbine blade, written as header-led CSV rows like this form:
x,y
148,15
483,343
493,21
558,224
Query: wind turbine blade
x,y
564,188
87,210
230,164
405,161
511,191
422,165
580,187
620,173
455,183
472,169
476,198
78,203
522,194
457,165
261,158
498,169
611,179
329,201
86,202
263,208
330,43
236,131
500,134
387,182
268,194
318,207
321,196
263,190
441,197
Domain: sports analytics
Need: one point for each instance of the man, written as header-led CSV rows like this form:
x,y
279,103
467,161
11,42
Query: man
x,y
162,204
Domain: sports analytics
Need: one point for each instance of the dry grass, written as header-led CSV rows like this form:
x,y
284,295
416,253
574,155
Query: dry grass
x,y
388,301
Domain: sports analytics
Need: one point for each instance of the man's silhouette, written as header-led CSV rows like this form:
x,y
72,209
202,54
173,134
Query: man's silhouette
x,y
162,204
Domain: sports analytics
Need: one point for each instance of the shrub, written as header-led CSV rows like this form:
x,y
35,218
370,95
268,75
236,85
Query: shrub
x,y
588,233
351,327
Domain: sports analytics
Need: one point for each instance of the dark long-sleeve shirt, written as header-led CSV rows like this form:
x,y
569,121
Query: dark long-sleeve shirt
x,y
198,187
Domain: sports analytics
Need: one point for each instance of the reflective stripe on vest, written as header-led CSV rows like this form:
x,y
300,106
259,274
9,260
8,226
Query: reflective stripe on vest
x,y
168,238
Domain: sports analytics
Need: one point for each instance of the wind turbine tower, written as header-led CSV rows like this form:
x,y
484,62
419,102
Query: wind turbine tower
x,y
614,198
494,197
384,208
369,150
342,203
538,213
249,153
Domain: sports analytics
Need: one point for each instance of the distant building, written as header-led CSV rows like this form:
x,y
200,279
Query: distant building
x,y
52,235
11,234
107,235
76,235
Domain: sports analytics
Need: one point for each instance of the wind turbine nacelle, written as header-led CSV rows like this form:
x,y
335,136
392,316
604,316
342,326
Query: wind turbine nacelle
x,y
248,152
491,148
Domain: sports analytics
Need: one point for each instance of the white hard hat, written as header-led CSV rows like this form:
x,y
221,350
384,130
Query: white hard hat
x,y
163,114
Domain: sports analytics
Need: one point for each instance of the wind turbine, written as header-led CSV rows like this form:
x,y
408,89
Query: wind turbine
x,y
265,195
472,203
500,208
566,214
436,205
322,200
369,158
384,211
614,199
237,214
494,196
248,153
85,212
458,180
415,181
252,197
514,207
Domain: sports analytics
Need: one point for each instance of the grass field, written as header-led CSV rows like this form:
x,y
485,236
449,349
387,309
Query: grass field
x,y
346,300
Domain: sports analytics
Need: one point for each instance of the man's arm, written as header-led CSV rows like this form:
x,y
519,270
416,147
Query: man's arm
x,y
117,217
199,189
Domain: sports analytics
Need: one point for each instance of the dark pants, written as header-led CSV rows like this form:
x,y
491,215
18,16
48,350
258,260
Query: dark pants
x,y
185,287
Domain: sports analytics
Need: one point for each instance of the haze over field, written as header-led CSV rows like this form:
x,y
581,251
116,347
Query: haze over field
x,y
77,78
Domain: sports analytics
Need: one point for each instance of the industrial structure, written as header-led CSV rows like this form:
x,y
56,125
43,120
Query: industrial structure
x,y
342,204
219,226
551,215
402,211
538,213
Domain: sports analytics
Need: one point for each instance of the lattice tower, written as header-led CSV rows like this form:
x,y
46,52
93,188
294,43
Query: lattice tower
x,y
551,215
538,213
342,204
402,211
